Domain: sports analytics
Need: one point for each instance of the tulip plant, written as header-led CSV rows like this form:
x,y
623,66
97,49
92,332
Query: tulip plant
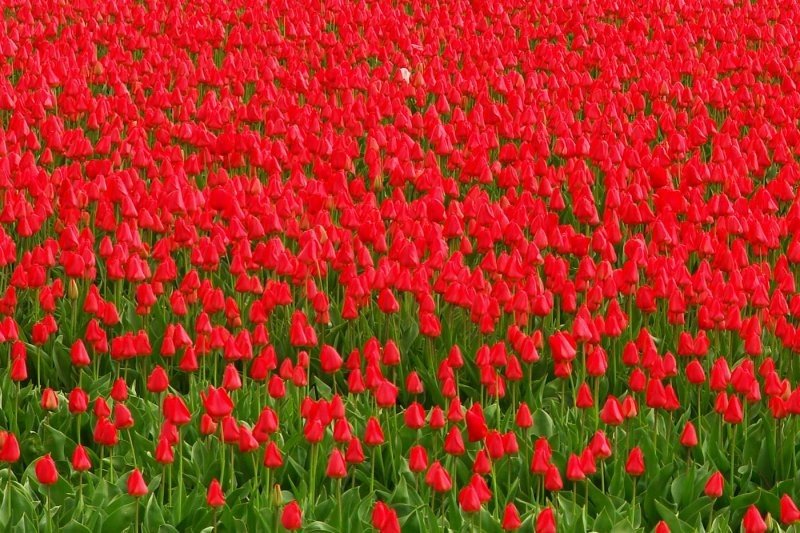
x,y
399,266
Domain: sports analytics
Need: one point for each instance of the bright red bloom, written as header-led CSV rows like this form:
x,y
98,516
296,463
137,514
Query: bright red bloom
x,y
80,459
136,485
292,516
752,522
214,496
635,463
546,521
217,403
373,434
789,511
511,519
46,471
715,485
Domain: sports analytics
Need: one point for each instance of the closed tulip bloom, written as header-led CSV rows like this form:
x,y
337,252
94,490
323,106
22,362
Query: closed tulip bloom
x,y
217,403
46,471
635,463
214,495
175,410
546,521
789,512
511,519
105,433
552,479
733,412
292,516
373,434
695,373
715,485
600,446
122,416
9,452
19,370
78,401
80,459
661,527
752,522
574,470
355,452
164,454
454,443
101,408
438,478
231,380
136,485
583,398
482,463
414,416
207,425
689,436
78,354
468,500
524,419
49,400
272,456
119,391
158,381
476,423
417,459
611,413
337,467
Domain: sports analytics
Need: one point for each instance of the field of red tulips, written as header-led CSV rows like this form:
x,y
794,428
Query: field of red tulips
x,y
392,266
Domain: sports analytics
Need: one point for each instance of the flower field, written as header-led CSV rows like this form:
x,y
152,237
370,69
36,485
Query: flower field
x,y
410,265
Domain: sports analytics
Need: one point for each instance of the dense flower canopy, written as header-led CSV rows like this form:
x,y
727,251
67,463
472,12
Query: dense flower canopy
x,y
448,260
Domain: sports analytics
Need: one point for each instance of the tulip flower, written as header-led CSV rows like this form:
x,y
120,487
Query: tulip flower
x,y
789,511
292,516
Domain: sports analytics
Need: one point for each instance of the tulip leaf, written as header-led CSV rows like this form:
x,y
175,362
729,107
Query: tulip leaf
x,y
682,488
153,515
74,527
542,424
672,519
743,501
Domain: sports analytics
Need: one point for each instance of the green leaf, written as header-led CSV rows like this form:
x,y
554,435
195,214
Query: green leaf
x,y
153,516
682,488
119,514
542,424
74,527
675,524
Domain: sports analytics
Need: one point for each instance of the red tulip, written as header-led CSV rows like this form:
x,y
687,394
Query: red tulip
x,y
689,435
217,403
789,512
546,521
635,463
292,516
9,452
214,495
337,467
752,522
157,381
468,500
715,485
80,459
438,478
511,519
46,471
49,400
417,459
373,434
136,484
